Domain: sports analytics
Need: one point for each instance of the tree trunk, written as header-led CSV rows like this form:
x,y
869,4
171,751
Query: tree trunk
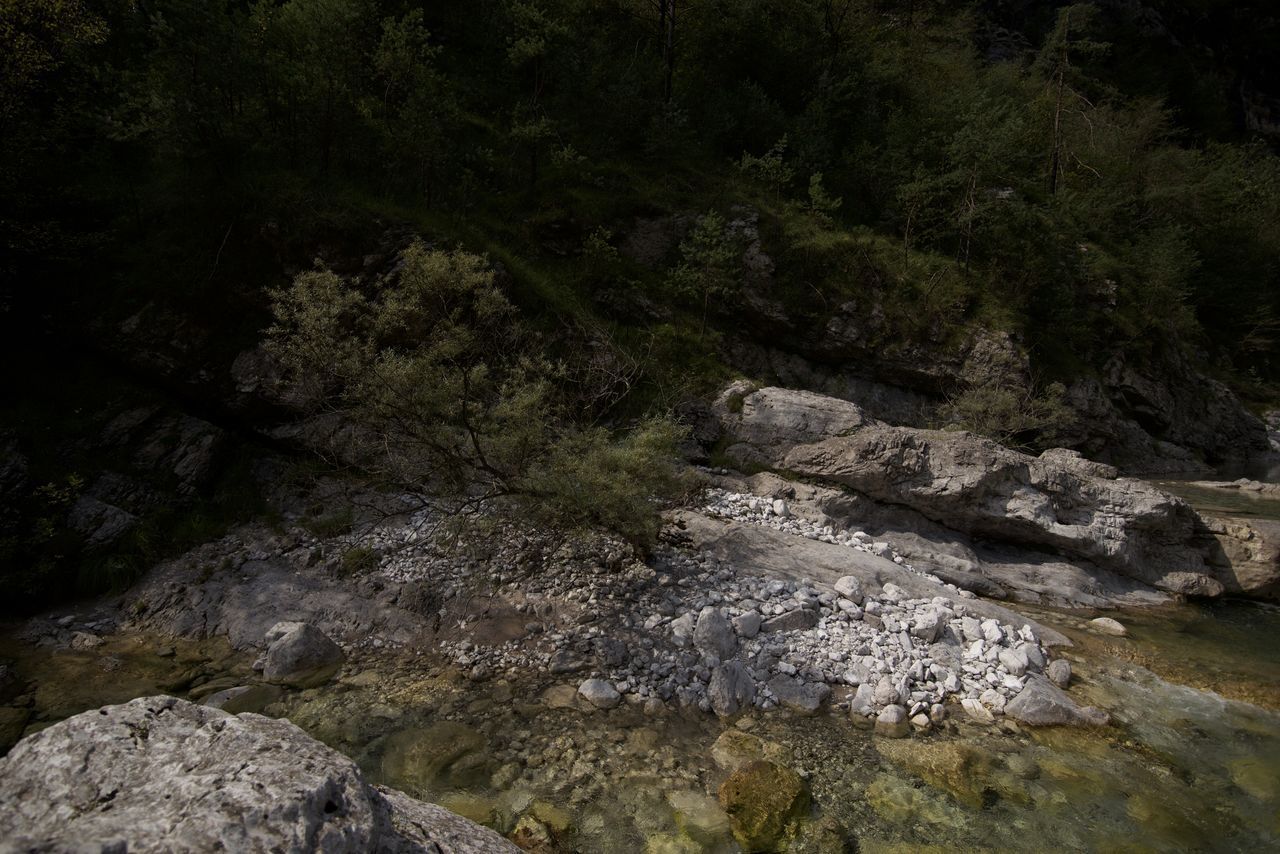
x,y
1056,157
669,50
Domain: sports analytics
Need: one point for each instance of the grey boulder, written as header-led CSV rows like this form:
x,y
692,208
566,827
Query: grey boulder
x,y
1059,672
160,774
713,633
892,722
600,693
300,655
800,697
730,689
1041,703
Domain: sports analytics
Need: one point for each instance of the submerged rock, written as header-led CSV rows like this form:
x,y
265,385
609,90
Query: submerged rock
x,y
1108,626
446,753
1041,703
700,817
765,802
735,748
953,766
243,698
161,774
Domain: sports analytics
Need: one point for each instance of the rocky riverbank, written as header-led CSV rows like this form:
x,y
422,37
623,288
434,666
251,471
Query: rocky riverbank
x,y
1054,528
857,596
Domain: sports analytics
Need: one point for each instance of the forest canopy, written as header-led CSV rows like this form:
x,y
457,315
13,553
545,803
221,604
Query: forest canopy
x,y
1085,174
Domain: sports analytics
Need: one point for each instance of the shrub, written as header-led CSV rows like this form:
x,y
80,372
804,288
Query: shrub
x,y
448,395
1011,414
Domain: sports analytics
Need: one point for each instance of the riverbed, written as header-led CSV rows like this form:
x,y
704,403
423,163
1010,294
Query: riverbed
x,y
1190,762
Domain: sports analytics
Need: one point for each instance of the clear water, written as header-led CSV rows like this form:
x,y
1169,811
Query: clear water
x,y
1223,502
1187,765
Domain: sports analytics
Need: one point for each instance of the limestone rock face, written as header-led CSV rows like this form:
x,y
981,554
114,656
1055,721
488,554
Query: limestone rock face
x,y
301,655
1246,553
769,422
977,488
980,487
160,774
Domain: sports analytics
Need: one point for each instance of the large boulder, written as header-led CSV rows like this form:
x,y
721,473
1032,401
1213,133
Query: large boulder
x,y
977,486
765,803
713,633
1041,703
160,774
300,655
1246,554
766,423
1057,501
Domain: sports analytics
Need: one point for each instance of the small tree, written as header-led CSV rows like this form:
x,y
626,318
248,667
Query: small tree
x,y
1010,413
1068,103
821,203
417,109
770,168
445,395
710,266
533,38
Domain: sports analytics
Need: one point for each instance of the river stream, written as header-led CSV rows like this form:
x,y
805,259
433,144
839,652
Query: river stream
x,y
1191,762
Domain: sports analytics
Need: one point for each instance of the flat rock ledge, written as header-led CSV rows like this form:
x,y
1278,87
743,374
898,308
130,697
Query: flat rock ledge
x,y
161,774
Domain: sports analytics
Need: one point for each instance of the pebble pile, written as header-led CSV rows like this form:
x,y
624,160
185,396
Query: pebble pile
x,y
684,629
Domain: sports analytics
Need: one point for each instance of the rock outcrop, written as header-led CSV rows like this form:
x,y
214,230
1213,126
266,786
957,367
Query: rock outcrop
x,y
1055,504
161,774
1246,554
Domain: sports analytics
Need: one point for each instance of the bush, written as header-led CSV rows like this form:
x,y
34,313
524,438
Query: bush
x,y
1011,414
448,395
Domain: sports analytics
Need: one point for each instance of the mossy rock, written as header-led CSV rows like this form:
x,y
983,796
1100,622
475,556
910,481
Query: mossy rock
x,y
445,754
477,808
765,803
960,769
735,748
12,723
826,835
667,843
552,816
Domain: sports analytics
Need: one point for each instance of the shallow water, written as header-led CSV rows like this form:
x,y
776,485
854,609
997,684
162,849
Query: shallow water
x,y
1223,502
1182,768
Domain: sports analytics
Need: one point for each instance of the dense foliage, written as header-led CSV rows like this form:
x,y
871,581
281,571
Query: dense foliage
x,y
1079,168
440,393
1093,178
